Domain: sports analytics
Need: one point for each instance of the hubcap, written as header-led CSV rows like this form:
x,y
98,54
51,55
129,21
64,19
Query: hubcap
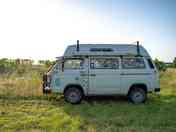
x,y
73,97
138,97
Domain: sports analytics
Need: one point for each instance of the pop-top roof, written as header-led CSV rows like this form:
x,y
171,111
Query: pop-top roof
x,y
104,49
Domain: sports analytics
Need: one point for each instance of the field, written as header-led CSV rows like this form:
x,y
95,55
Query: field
x,y
24,108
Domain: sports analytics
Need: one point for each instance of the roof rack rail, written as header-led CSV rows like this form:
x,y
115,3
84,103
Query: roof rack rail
x,y
138,49
77,46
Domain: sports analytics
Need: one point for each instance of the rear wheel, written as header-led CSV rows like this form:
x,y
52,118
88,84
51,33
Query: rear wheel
x,y
137,95
73,95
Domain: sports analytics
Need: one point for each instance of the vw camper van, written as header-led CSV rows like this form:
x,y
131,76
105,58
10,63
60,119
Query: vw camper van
x,y
103,69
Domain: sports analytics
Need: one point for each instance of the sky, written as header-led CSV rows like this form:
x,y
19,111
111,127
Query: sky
x,y
42,29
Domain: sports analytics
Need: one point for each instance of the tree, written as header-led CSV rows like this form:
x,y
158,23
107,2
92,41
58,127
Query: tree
x,y
174,62
160,65
46,63
7,65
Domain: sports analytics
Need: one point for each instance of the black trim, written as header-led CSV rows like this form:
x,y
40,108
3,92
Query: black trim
x,y
135,74
138,49
77,46
157,89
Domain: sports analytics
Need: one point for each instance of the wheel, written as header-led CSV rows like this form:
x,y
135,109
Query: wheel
x,y
73,95
137,95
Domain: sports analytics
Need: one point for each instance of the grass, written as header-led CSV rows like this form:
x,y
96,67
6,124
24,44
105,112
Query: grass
x,y
24,108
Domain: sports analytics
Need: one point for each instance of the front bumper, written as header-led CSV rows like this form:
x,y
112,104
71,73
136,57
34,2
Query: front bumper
x,y
157,89
46,84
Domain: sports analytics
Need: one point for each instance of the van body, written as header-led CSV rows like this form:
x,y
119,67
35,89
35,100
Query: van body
x,y
103,69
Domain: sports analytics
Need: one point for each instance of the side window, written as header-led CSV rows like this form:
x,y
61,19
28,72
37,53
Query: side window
x,y
133,63
104,63
73,64
150,63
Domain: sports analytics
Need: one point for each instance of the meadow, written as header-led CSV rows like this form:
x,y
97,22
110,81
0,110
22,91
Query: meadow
x,y
23,108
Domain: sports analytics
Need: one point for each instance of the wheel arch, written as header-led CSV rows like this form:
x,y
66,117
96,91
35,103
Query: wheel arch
x,y
139,85
74,85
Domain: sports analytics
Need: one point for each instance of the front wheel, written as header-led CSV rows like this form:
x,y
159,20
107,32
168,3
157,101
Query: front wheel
x,y
73,95
138,95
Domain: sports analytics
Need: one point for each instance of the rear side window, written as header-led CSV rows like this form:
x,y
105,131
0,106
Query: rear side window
x,y
104,63
150,63
133,63
73,64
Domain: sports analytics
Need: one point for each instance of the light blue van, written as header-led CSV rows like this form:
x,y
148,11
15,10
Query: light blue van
x,y
103,69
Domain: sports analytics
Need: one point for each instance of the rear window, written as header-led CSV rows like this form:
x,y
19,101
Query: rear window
x,y
150,63
133,63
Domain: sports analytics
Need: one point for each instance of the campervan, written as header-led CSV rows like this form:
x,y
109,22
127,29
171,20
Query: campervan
x,y
103,69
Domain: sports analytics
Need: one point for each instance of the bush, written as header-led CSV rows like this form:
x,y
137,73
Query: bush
x,y
23,66
174,62
7,65
46,63
160,65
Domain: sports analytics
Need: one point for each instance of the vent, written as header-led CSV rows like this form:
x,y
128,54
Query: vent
x,y
101,50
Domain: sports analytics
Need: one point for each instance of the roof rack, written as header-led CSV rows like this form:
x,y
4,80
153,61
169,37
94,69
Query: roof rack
x,y
105,49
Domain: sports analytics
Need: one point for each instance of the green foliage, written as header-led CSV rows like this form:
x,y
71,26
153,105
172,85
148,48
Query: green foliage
x,y
160,65
46,63
23,66
174,62
7,66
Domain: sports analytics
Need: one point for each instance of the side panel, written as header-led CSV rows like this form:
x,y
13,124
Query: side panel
x,y
154,76
104,81
75,77
132,76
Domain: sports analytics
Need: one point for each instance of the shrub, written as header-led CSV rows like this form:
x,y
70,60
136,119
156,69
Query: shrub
x,y
160,65
174,62
7,65
46,63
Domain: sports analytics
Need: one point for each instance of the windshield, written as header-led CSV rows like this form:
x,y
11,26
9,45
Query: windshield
x,y
52,67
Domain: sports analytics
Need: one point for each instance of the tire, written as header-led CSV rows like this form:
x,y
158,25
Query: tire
x,y
137,95
73,95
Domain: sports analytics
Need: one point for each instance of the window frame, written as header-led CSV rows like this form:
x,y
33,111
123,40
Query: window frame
x,y
92,58
150,63
135,68
66,59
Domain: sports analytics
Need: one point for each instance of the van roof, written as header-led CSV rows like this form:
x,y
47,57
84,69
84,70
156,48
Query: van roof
x,y
105,50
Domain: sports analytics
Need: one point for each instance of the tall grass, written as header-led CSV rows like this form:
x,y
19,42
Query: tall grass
x,y
102,115
28,84
168,82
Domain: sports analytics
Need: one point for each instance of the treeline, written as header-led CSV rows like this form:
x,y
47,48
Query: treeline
x,y
162,66
21,66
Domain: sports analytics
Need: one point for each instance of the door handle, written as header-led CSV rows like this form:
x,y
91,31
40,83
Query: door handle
x,y
93,75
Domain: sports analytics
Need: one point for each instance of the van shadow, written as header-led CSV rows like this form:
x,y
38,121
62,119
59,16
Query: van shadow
x,y
105,99
107,109
152,99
